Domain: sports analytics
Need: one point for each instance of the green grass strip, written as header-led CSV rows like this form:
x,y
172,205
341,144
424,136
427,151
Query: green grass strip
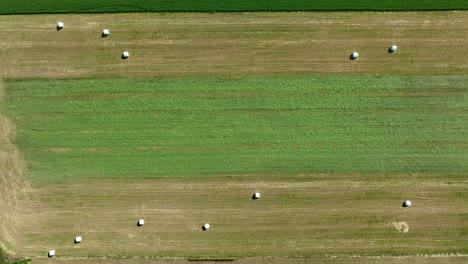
x,y
150,128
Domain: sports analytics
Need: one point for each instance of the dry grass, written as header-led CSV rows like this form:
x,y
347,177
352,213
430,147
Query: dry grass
x,y
15,191
307,216
240,44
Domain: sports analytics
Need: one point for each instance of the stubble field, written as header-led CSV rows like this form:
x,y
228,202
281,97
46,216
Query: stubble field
x,y
233,45
334,156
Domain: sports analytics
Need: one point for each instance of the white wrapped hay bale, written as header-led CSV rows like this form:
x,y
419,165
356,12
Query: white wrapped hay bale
x,y
105,33
141,222
51,253
60,25
407,203
77,239
125,55
355,55
256,196
205,227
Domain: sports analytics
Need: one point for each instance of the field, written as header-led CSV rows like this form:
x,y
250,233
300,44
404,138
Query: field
x,y
139,128
116,6
210,108
233,45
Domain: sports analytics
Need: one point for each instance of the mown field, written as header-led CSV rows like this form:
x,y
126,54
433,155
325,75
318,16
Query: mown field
x,y
121,6
233,45
210,108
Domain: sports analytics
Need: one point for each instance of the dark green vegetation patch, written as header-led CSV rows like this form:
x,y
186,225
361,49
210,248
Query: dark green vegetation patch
x,y
146,128
120,6
5,259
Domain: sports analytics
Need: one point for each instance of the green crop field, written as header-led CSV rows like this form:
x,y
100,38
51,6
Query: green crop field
x,y
114,6
128,128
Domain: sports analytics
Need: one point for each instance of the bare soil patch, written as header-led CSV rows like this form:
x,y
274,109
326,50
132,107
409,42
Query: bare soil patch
x,y
401,226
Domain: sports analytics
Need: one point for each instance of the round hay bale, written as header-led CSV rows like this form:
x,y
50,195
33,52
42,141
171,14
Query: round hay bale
x,y
77,239
60,25
256,196
354,55
105,33
141,222
205,227
406,203
125,55
392,49
51,253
